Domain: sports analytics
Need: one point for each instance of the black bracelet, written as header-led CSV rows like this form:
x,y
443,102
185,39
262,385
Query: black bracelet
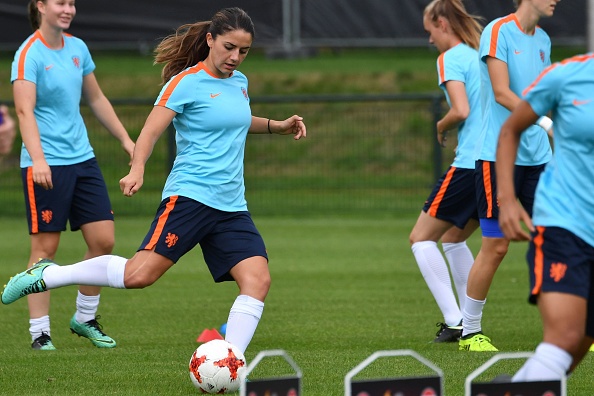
x,y
269,131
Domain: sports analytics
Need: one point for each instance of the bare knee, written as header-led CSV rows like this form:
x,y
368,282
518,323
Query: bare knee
x,y
102,246
139,280
259,286
252,277
495,248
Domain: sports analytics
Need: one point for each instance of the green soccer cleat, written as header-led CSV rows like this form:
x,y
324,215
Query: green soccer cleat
x,y
26,282
43,343
92,331
476,342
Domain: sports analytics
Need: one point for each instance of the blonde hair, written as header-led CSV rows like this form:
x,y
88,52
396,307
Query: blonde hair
x,y
464,25
188,46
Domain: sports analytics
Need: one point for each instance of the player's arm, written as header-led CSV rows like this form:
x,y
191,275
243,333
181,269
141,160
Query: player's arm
x,y
292,125
25,99
7,130
510,211
458,112
156,123
499,76
105,113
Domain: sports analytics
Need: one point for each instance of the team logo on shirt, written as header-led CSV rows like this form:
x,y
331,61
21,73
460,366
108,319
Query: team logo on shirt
x,y
245,93
542,55
76,61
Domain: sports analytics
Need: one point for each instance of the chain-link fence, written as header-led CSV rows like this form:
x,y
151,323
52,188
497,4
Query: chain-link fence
x,y
364,156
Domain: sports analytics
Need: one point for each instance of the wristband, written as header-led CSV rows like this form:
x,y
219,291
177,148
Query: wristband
x,y
545,123
269,131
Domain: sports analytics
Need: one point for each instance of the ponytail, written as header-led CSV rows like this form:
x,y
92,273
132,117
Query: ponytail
x,y
463,24
187,46
34,15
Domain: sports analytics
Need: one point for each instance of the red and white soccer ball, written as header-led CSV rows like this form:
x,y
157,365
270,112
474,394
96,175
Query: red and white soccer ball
x,y
217,367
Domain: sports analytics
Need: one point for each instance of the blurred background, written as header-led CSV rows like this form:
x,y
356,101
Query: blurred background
x,y
362,74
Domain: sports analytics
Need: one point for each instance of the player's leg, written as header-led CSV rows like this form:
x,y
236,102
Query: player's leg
x,y
423,238
234,250
563,334
47,215
493,250
253,279
560,282
447,210
486,263
91,213
459,256
100,239
43,245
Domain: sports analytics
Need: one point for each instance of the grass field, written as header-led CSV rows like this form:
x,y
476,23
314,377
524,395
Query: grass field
x,y
342,289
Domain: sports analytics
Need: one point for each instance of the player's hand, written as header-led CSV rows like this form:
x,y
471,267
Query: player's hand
x,y
442,138
292,125
42,175
511,216
128,147
7,131
131,183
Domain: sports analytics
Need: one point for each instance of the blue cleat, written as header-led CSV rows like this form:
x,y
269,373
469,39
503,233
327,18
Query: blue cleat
x,y
43,343
93,331
26,282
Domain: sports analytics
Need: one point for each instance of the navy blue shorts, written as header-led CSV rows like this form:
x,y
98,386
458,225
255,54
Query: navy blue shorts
x,y
560,261
525,180
226,238
453,198
79,196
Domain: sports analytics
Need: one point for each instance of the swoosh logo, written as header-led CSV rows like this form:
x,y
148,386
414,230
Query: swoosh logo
x,y
214,95
49,67
517,52
577,102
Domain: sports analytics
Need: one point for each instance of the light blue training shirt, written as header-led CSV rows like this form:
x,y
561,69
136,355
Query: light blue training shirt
x,y
565,191
212,121
460,63
526,57
58,76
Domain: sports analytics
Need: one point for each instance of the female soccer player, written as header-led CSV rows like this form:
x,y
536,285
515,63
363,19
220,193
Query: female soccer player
x,y
449,213
206,98
561,251
513,52
61,179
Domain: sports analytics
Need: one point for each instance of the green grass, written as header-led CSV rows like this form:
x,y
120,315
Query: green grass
x,y
341,290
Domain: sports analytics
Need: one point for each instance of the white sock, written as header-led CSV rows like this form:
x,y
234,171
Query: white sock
x,y
472,315
436,274
86,307
105,270
38,326
548,363
243,320
460,259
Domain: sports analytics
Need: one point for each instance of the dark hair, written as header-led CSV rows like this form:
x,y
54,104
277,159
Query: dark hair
x,y
187,46
463,24
34,15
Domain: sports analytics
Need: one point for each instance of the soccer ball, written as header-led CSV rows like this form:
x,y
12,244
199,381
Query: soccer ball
x,y
217,367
